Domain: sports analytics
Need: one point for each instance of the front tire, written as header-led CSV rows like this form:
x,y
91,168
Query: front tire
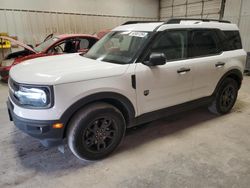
x,y
225,97
95,131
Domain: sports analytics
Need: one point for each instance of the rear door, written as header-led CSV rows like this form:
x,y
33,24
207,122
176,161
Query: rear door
x,y
208,61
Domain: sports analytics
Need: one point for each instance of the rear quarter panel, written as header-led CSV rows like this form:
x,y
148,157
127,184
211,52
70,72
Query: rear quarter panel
x,y
235,59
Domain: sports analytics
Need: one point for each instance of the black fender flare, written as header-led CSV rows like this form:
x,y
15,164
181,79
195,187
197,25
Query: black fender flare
x,y
234,73
116,99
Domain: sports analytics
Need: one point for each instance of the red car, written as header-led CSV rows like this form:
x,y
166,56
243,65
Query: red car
x,y
56,45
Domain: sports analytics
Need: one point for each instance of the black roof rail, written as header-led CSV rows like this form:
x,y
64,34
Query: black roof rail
x,y
178,20
136,22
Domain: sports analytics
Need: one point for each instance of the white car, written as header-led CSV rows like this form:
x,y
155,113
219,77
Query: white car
x,y
137,73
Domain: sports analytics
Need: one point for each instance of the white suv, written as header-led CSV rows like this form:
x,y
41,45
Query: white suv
x,y
137,73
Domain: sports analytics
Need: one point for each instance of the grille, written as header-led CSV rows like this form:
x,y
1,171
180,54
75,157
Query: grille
x,y
13,86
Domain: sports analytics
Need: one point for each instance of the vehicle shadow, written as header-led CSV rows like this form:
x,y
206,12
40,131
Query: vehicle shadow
x,y
164,127
32,154
171,125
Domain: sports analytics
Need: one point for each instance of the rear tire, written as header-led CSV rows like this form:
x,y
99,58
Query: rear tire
x,y
225,97
95,131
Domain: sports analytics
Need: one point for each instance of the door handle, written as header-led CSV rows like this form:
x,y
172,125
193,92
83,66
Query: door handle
x,y
183,70
219,64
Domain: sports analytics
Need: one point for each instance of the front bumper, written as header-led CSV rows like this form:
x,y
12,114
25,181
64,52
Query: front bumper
x,y
39,129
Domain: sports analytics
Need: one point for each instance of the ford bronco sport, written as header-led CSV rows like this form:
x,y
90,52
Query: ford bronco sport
x,y
137,73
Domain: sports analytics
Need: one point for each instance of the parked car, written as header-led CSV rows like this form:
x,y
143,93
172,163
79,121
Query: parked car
x,y
53,45
135,74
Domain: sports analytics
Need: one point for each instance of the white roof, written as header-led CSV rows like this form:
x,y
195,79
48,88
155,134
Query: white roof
x,y
199,24
139,27
183,24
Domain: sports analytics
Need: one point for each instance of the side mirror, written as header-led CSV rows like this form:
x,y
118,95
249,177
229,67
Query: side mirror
x,y
157,59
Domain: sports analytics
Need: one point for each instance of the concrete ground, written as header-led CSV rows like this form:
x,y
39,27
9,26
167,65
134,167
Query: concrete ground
x,y
192,149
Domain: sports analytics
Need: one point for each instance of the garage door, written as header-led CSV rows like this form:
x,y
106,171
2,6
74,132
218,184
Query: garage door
x,y
190,8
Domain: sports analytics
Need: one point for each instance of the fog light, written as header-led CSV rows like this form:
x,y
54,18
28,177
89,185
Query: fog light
x,y
57,125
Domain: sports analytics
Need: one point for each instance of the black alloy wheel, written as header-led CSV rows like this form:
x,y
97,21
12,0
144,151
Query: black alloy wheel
x,y
95,131
225,97
100,134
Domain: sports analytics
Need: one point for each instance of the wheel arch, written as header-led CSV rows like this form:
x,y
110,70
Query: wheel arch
x,y
234,74
118,100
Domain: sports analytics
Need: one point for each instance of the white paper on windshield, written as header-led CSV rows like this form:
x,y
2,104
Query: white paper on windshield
x,y
138,34
125,32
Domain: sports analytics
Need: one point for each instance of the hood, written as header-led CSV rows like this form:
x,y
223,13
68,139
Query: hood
x,y
18,43
53,70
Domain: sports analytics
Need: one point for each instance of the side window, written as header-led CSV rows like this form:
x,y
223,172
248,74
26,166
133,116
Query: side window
x,y
67,46
92,41
172,43
84,43
58,48
70,46
203,43
233,41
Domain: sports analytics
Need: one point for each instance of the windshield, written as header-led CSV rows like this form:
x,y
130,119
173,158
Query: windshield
x,y
118,47
44,45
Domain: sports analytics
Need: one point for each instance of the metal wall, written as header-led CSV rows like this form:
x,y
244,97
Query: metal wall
x,y
31,20
238,12
190,8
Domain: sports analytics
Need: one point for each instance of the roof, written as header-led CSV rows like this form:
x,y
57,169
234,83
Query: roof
x,y
199,24
138,27
160,26
74,35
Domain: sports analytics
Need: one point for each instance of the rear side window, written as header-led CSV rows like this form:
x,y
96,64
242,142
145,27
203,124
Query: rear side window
x,y
233,41
84,43
203,43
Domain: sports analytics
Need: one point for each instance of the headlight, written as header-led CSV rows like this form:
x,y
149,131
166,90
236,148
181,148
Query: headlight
x,y
32,96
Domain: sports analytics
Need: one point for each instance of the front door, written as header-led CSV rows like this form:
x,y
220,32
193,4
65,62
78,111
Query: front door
x,y
166,85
